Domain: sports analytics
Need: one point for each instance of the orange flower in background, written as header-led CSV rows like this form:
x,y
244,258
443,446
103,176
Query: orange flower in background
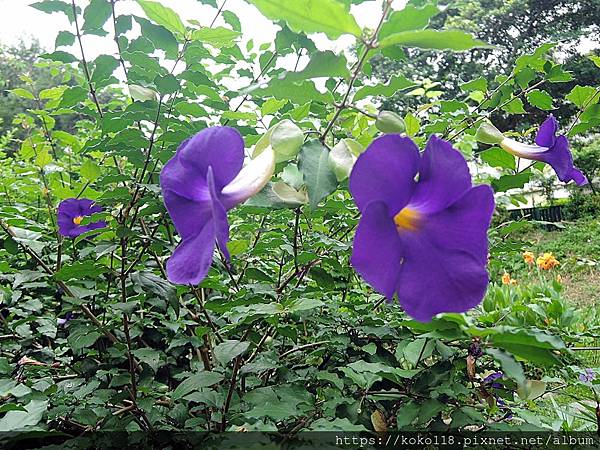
x,y
506,279
529,257
547,261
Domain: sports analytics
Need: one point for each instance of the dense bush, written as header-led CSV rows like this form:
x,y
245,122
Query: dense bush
x,y
285,336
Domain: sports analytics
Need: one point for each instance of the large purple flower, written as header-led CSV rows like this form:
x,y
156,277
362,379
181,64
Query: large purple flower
x,y
424,240
200,184
549,148
71,213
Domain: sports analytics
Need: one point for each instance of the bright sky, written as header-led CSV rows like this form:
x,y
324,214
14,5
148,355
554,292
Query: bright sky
x,y
19,21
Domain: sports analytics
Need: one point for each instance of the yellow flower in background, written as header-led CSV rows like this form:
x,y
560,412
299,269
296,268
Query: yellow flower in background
x,y
558,278
513,282
529,257
547,261
506,278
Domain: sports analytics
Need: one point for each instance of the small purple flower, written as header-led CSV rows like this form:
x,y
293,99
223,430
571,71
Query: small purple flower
x,y
202,181
63,321
588,376
424,240
551,149
491,380
71,213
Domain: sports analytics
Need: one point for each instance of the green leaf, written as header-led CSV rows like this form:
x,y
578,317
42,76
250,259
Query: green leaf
x,y
395,84
271,106
531,345
506,182
409,18
322,64
60,56
78,270
407,414
163,15
217,37
160,37
413,125
104,66
298,93
434,39
167,84
43,158
531,389
226,351
319,178
581,95
52,6
540,99
478,84
73,96
23,93
496,157
595,59
95,15
15,420
82,337
515,106
510,366
90,170
311,16
195,383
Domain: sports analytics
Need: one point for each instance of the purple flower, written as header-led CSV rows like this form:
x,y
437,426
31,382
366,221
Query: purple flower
x,y
588,376
200,184
71,213
491,380
63,321
424,240
551,149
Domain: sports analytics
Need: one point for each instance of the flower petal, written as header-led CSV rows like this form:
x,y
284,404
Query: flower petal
x,y
443,177
377,250
183,180
560,158
251,179
189,216
219,216
546,135
192,258
435,280
444,268
385,172
221,148
463,225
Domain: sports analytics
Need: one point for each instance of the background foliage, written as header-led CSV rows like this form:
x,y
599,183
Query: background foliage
x,y
288,338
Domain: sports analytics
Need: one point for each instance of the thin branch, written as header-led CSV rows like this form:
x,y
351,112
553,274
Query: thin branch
x,y
369,45
84,62
218,13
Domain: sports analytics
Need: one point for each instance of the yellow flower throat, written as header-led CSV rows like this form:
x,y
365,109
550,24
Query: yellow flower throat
x,y
407,220
77,220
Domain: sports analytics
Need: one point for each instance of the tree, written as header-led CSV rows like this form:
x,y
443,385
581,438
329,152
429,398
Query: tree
x,y
514,28
19,61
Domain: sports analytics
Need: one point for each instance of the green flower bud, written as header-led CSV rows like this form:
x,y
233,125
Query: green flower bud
x,y
285,138
489,134
342,158
389,122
